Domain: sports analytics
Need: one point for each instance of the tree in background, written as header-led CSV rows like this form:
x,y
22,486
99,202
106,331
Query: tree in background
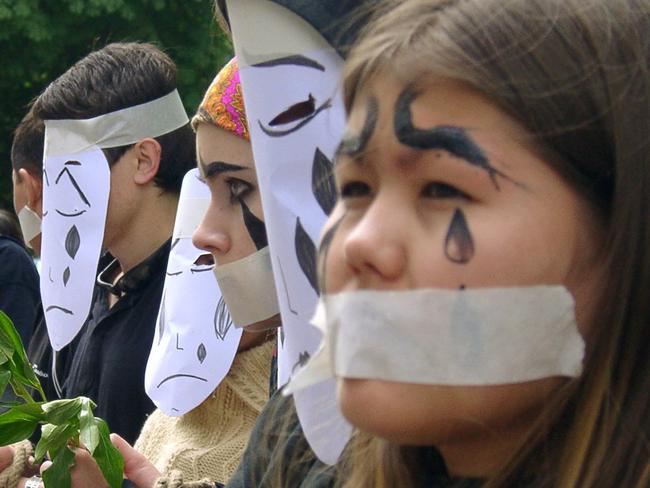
x,y
40,39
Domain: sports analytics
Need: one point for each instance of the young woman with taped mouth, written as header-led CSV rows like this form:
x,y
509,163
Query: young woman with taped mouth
x,y
193,439
486,267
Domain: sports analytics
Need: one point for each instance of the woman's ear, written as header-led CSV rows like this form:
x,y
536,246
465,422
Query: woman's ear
x,y
33,186
148,153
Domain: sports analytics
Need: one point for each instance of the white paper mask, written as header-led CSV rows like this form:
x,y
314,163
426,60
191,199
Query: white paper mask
x,y
290,80
195,340
76,187
481,336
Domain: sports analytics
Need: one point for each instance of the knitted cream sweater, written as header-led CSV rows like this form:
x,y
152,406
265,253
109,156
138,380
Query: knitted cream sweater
x,y
209,441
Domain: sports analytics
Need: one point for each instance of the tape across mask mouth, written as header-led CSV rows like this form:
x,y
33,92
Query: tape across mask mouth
x,y
471,337
248,287
30,224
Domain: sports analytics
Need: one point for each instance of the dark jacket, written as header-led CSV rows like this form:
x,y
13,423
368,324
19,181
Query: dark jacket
x,y
20,296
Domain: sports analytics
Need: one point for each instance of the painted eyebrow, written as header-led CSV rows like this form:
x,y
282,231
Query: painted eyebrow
x,y
74,183
217,167
72,163
352,145
452,139
295,60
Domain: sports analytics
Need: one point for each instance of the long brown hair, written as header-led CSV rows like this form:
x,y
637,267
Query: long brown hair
x,y
576,74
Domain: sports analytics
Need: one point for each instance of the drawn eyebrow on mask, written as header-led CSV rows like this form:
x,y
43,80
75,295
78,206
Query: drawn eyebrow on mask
x,y
451,139
294,60
281,133
354,145
74,183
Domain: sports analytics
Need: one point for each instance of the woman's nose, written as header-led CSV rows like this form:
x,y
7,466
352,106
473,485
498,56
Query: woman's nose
x,y
376,247
210,238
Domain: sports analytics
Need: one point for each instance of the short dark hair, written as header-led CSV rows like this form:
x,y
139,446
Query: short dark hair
x,y
9,226
118,76
27,145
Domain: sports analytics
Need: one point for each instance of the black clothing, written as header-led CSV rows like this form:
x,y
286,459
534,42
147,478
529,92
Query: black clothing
x,y
278,438
110,354
20,296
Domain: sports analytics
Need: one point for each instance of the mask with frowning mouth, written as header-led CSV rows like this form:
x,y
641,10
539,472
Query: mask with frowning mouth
x,y
195,340
290,57
76,186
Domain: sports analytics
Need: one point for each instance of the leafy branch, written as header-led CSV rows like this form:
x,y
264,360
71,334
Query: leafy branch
x,y
65,424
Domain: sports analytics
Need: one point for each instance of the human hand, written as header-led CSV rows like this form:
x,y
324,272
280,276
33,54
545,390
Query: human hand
x,y
85,473
137,468
6,457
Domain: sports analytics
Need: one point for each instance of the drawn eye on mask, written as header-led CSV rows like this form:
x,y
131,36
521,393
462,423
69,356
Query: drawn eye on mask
x,y
302,113
60,179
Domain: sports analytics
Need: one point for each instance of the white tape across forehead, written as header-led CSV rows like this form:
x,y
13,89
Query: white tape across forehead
x,y
484,336
119,128
248,288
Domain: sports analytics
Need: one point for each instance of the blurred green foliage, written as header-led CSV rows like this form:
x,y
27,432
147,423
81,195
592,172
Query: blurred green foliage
x,y
40,39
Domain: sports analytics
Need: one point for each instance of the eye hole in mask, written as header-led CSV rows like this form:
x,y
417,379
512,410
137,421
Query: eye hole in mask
x,y
205,262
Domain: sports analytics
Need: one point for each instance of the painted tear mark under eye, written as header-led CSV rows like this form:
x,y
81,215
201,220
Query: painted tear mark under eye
x,y
222,320
451,139
306,254
355,145
322,182
201,353
256,228
66,276
459,244
281,133
72,242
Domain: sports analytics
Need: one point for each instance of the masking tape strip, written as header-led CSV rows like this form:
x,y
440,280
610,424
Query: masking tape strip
x,y
482,336
190,214
30,224
248,288
114,129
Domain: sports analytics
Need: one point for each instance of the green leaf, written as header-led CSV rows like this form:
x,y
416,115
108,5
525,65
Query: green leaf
x,y
58,474
17,361
88,429
108,457
53,438
60,411
5,376
7,347
19,423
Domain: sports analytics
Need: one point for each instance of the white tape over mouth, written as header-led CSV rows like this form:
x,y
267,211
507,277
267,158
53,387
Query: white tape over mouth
x,y
248,288
30,224
471,337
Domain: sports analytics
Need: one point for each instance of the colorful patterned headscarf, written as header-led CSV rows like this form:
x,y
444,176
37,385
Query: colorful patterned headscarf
x,y
223,103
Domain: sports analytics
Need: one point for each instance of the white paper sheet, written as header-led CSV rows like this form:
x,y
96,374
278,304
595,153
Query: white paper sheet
x,y
286,166
195,341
